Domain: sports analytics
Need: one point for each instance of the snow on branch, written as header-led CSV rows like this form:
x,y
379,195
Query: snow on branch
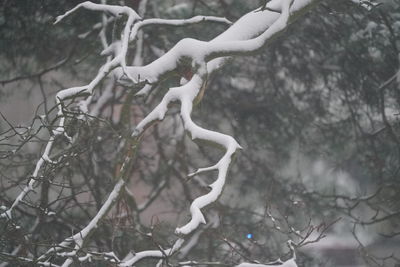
x,y
110,9
177,22
289,263
367,4
249,34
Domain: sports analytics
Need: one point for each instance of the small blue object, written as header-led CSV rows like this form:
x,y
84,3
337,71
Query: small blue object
x,y
249,236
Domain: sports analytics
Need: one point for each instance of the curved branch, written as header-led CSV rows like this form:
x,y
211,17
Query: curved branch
x,y
249,34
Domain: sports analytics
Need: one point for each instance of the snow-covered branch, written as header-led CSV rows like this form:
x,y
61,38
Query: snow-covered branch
x,y
249,34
